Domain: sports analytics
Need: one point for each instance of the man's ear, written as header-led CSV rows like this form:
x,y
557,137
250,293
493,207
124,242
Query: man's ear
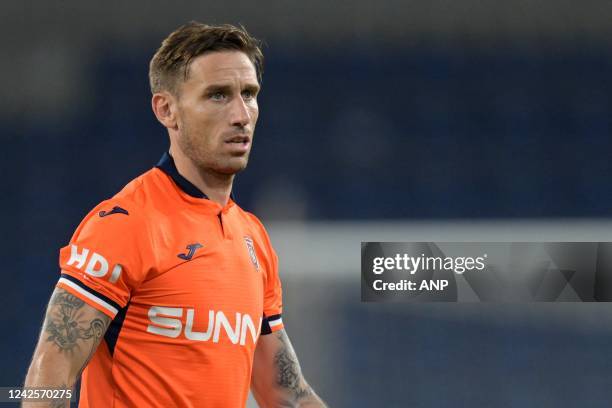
x,y
164,108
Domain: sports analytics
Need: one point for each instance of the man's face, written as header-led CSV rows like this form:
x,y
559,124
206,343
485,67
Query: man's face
x,y
217,111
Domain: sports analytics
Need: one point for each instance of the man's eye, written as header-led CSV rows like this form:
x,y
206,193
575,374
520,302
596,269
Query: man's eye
x,y
248,95
217,96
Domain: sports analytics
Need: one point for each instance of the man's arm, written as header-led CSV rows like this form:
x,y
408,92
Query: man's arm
x,y
70,335
277,379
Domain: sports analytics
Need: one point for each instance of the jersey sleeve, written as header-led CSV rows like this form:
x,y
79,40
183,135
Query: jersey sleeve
x,y
106,257
273,294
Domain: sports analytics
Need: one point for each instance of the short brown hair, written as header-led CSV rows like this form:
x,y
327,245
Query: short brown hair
x,y
172,59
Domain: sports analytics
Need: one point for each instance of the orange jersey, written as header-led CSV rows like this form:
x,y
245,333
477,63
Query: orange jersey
x,y
189,285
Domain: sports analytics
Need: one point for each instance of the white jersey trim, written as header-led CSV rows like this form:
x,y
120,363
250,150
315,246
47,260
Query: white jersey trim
x,y
275,322
89,295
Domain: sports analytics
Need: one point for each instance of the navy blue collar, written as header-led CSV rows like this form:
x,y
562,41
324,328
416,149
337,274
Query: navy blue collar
x,y
166,164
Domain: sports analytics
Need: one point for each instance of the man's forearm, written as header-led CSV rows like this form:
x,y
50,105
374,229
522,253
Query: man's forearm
x,y
312,402
71,333
309,399
290,377
287,387
49,370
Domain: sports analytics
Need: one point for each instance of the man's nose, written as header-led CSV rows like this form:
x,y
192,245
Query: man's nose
x,y
240,115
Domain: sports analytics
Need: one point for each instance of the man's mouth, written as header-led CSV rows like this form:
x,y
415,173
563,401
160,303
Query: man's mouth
x,y
238,139
238,145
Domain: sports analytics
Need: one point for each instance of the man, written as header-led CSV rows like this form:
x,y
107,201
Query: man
x,y
169,293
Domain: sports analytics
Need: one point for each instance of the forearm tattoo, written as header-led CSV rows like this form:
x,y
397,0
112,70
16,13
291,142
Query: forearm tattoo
x,y
289,372
70,328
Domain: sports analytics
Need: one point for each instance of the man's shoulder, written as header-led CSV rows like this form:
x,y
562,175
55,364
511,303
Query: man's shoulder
x,y
128,208
143,194
141,189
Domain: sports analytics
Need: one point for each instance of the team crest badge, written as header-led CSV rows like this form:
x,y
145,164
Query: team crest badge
x,y
251,248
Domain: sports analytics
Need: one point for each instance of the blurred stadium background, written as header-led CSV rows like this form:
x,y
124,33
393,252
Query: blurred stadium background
x,y
392,120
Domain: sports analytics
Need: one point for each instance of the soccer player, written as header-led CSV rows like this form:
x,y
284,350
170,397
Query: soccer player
x,y
169,294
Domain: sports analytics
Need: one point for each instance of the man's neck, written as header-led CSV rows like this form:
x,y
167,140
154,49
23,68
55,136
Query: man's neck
x,y
216,186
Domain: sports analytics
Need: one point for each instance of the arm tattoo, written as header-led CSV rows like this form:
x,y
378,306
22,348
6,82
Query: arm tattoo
x,y
69,327
289,373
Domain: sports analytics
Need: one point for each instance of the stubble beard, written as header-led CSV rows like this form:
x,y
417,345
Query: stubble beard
x,y
193,149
